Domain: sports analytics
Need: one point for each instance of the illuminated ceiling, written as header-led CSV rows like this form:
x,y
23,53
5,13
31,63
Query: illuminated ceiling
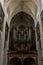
x,y
14,6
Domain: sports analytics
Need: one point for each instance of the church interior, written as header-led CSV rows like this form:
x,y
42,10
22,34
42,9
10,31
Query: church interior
x,y
21,32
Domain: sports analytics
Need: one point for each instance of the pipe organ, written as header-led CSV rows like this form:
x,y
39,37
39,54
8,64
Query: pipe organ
x,y
22,42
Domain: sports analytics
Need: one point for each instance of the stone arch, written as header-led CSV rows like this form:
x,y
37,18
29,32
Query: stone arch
x,y
28,17
24,14
15,61
29,61
26,11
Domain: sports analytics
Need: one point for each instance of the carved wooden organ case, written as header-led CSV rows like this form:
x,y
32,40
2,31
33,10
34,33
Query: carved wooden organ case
x,y
22,36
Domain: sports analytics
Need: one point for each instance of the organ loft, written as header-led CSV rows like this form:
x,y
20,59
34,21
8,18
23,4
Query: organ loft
x,y
21,32
22,44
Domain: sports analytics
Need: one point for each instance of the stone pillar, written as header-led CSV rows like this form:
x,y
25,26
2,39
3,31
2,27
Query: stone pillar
x,y
6,47
2,44
6,51
41,39
38,47
41,34
36,39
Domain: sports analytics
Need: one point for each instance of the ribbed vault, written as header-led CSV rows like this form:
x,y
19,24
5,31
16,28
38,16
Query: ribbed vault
x,y
21,5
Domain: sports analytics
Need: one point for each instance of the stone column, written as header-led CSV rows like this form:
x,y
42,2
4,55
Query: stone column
x,y
7,44
38,47
6,49
41,39
2,44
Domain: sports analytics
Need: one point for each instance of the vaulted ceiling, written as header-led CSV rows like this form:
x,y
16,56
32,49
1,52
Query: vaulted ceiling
x,y
14,6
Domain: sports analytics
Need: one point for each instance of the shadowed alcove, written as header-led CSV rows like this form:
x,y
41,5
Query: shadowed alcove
x,y
15,61
29,61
